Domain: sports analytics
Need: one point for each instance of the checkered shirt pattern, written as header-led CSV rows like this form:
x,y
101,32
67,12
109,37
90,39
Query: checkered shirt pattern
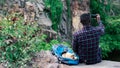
x,y
86,43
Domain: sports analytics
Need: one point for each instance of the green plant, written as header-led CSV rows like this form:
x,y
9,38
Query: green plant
x,y
97,7
110,40
55,8
14,46
2,2
19,41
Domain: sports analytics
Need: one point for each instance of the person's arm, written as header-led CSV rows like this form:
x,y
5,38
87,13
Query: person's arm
x,y
101,26
75,44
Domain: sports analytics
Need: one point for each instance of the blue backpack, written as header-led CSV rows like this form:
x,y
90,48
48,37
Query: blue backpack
x,y
59,49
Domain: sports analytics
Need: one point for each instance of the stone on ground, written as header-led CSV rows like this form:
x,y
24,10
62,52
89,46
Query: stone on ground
x,y
45,59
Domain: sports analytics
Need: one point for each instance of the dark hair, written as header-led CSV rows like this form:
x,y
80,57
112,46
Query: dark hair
x,y
85,19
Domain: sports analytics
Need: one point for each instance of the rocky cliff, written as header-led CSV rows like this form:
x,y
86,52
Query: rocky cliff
x,y
71,23
31,11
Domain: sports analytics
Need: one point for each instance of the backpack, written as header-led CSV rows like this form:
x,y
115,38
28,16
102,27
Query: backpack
x,y
59,49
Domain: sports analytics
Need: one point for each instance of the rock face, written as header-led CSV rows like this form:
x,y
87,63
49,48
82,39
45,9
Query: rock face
x,y
45,59
70,25
78,8
31,11
65,28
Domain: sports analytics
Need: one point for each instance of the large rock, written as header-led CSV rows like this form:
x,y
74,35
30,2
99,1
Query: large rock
x,y
45,59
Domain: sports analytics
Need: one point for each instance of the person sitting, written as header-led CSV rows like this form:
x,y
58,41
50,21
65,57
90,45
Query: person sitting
x,y
86,41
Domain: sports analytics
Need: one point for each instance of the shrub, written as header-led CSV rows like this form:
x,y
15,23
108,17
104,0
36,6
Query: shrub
x,y
2,2
110,41
54,8
19,41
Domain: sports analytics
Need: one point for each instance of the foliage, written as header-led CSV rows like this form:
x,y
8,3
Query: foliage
x,y
97,7
115,6
110,40
19,41
14,40
55,8
2,2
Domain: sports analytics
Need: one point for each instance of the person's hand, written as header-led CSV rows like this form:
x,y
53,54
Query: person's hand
x,y
98,18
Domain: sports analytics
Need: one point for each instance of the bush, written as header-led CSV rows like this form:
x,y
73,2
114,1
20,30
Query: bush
x,y
54,8
18,41
2,2
97,7
110,41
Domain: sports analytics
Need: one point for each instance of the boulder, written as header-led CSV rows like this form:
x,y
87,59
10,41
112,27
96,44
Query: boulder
x,y
45,59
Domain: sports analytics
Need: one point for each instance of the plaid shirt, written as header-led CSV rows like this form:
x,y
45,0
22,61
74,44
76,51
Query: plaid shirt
x,y
86,43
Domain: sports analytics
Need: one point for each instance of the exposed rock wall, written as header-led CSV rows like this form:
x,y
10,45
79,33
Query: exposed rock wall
x,y
32,11
78,8
70,25
65,27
